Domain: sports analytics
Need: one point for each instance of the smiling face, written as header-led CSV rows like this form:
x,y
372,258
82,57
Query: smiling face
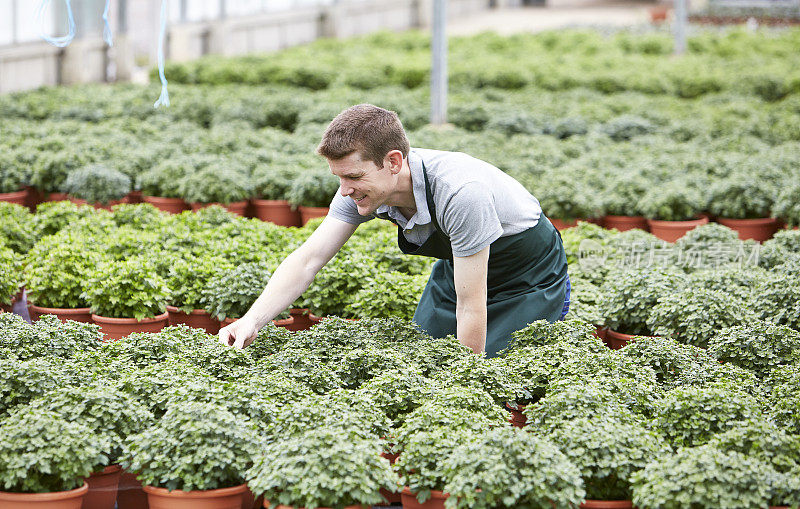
x,y
367,184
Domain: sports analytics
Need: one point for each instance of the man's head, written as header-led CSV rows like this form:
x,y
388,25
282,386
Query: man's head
x,y
366,147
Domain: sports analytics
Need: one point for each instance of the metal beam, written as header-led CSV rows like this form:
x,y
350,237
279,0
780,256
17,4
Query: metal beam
x,y
439,63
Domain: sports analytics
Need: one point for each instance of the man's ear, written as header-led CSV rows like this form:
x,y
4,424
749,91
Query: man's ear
x,y
394,161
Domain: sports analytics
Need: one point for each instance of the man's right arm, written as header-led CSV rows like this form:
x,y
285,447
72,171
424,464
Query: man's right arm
x,y
289,281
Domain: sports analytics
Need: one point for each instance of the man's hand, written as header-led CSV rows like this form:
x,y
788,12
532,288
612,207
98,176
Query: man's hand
x,y
239,334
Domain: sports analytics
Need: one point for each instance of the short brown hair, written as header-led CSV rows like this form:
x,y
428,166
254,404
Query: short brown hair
x,y
371,130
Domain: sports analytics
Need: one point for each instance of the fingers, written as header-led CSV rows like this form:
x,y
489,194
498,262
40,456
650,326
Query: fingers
x,y
226,336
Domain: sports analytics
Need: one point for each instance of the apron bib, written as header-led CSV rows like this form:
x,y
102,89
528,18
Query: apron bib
x,y
526,280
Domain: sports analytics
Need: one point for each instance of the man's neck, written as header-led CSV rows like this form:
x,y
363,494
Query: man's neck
x,y
403,195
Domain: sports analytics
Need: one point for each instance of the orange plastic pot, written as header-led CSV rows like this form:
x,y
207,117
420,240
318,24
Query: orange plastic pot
x,y
63,314
71,499
117,328
299,319
131,495
673,230
600,332
18,197
309,213
250,501
238,207
197,319
276,211
607,504
625,223
616,340
170,205
757,229
435,502
103,488
224,498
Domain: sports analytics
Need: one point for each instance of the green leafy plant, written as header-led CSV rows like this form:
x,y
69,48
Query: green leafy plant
x,y
673,201
189,277
194,446
535,474
744,194
702,477
216,184
13,174
624,193
502,383
694,315
16,227
435,415
127,289
608,453
758,346
763,440
627,127
56,457
138,215
579,202
165,179
690,416
22,381
52,217
387,294
784,397
231,292
787,203
778,300
48,337
97,183
313,189
346,469
630,294
10,276
668,358
398,392
273,183
422,464
336,285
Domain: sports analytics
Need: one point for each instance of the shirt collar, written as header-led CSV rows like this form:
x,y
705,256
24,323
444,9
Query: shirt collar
x,y
423,215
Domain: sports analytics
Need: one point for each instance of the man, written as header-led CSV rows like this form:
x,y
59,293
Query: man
x,y
501,262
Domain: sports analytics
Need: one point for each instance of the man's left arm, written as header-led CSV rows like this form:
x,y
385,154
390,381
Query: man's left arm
x,y
469,276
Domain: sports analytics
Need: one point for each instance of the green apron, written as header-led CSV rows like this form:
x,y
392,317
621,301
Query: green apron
x,y
526,281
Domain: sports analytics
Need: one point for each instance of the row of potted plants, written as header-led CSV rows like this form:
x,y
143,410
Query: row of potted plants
x,y
658,423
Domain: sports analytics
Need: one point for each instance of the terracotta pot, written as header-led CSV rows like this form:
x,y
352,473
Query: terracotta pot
x,y
103,487
276,211
563,224
607,504
57,197
18,197
71,499
309,213
63,314
756,229
250,501
135,197
435,502
170,205
625,223
658,13
391,497
266,504
238,207
673,230
224,498
117,328
130,494
600,331
99,206
227,322
299,319
616,340
198,319
517,419
35,197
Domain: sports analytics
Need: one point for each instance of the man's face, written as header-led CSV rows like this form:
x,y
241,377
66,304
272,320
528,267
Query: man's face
x,y
367,184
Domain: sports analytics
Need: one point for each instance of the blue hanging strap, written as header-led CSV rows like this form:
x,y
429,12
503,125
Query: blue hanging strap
x,y
64,40
164,98
107,35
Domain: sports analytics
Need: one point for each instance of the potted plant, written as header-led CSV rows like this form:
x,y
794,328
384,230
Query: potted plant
x,y
534,474
127,296
387,294
567,197
673,208
10,277
743,201
97,185
14,176
398,392
690,416
764,440
620,201
347,471
230,293
669,359
25,380
57,271
46,469
16,227
161,184
628,297
53,165
783,397
52,217
197,453
778,299
421,466
112,415
694,315
311,193
221,185
48,339
187,279
757,345
702,477
271,184
607,453
787,203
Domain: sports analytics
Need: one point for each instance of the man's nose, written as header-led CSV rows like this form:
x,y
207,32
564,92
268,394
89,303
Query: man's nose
x,y
345,189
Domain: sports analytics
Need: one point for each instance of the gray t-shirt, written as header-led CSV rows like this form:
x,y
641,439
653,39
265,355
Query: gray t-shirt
x,y
476,203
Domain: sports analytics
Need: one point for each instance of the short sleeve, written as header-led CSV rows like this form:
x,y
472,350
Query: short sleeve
x,y
470,219
344,209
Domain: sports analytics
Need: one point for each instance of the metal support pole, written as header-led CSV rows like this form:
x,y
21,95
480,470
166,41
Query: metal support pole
x,y
223,9
681,19
14,22
439,64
